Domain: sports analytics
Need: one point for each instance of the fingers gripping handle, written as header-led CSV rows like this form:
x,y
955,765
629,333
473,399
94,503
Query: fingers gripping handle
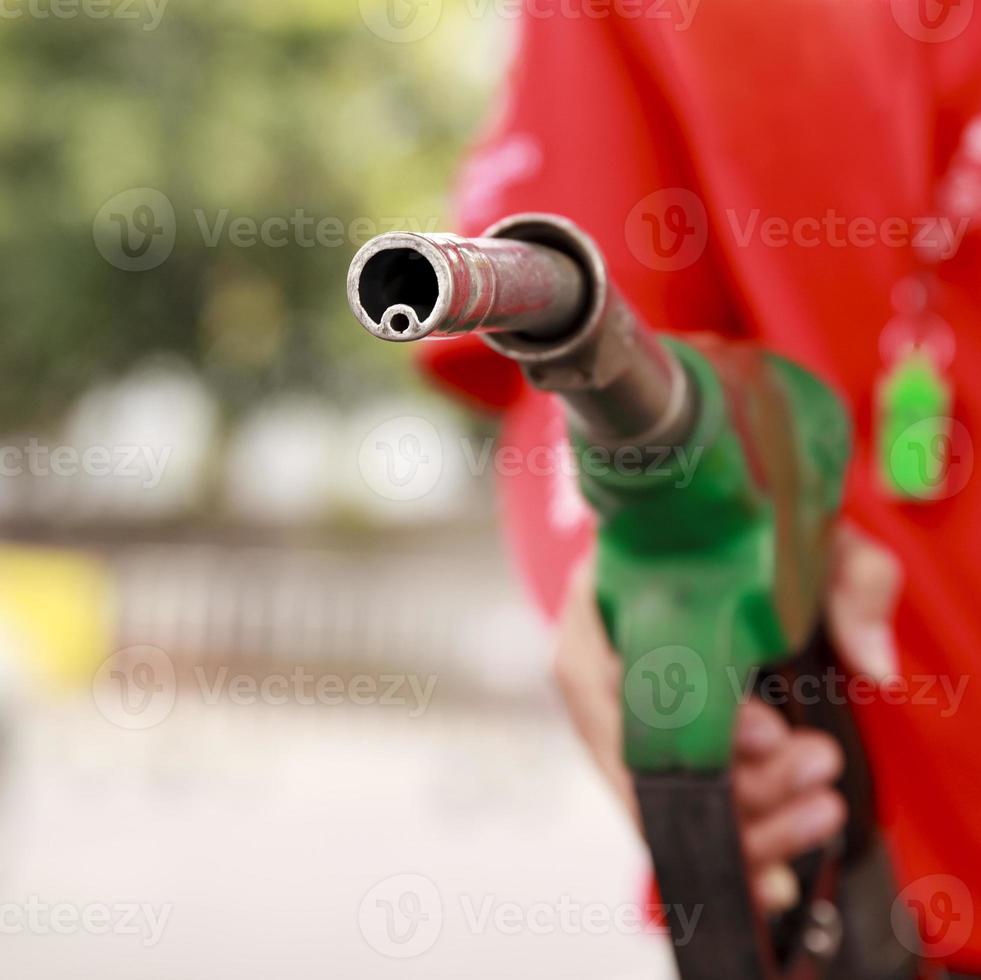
x,y
680,707
841,928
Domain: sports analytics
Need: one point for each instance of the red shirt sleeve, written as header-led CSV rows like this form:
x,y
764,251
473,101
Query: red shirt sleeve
x,y
956,74
589,145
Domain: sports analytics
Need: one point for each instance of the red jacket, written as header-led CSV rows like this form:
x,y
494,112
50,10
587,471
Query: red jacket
x,y
786,154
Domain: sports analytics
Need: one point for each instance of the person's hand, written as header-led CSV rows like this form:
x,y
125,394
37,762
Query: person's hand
x,y
783,778
866,583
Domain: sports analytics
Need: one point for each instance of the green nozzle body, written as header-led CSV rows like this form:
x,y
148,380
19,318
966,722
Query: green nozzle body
x,y
711,564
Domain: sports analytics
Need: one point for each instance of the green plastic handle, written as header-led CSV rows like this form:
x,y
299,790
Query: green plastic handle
x,y
711,564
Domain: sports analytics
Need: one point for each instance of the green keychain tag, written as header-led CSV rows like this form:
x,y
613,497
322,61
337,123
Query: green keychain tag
x,y
914,428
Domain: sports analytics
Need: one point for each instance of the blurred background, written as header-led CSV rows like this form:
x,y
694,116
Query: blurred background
x,y
271,702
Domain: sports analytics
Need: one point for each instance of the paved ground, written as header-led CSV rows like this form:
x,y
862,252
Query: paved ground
x,y
264,843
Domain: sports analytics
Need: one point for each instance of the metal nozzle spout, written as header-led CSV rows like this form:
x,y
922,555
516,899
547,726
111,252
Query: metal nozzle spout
x,y
404,287
536,287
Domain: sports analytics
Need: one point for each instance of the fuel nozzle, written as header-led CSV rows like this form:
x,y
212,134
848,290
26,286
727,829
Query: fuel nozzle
x,y
536,288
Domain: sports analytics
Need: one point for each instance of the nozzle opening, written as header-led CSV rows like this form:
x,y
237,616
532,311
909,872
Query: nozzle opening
x,y
398,277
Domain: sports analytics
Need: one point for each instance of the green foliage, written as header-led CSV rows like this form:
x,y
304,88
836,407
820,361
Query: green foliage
x,y
230,107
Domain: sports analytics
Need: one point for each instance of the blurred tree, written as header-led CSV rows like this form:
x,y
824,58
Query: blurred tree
x,y
231,109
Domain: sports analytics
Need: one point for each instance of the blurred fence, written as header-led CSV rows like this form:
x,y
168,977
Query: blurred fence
x,y
419,607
